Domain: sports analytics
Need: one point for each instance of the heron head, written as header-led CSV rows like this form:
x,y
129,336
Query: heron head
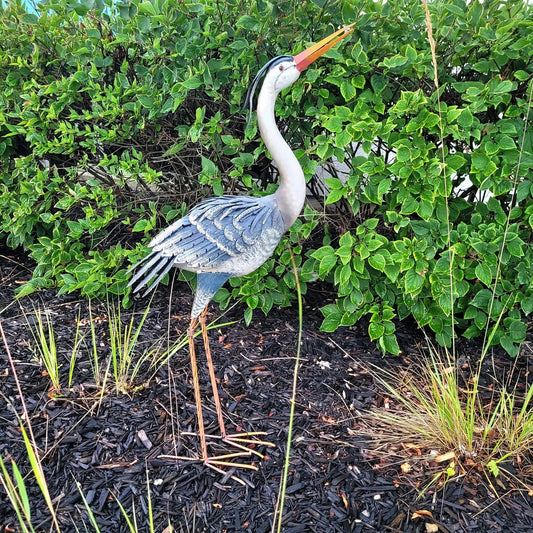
x,y
282,71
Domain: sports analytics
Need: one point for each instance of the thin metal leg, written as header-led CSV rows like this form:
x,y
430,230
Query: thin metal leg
x,y
211,369
240,441
196,385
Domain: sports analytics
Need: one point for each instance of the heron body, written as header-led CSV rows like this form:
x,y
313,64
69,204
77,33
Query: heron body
x,y
231,236
222,237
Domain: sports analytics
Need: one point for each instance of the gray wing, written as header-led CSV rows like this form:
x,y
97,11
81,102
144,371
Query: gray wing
x,y
226,234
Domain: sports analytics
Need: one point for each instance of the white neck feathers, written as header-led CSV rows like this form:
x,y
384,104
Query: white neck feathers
x,y
290,195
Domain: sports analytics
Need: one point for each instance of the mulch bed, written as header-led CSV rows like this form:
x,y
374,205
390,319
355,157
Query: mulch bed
x,y
111,443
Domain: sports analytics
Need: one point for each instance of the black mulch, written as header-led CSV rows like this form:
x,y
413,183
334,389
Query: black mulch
x,y
111,443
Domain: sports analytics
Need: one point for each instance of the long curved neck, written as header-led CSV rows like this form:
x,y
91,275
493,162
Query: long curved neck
x,y
290,195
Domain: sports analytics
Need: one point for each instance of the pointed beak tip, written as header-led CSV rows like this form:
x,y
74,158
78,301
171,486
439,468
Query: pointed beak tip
x,y
308,56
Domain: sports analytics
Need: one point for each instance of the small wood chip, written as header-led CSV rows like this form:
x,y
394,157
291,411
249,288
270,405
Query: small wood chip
x,y
143,437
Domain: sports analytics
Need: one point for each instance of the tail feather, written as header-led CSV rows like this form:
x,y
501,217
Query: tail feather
x,y
147,263
153,265
167,267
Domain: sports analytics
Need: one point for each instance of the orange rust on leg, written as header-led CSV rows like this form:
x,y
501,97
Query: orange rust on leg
x,y
211,369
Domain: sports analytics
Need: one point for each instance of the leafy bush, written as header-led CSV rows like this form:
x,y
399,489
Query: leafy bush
x,y
437,250
115,118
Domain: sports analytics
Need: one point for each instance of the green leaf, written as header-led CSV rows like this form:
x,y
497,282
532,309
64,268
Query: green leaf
x,y
504,86
384,186
193,82
30,18
346,239
455,161
482,299
392,272
479,160
345,274
515,247
507,126
395,61
410,205
453,113
333,124
436,324
413,280
326,264
331,322
506,143
334,196
517,330
252,301
445,303
420,227
146,101
390,344
249,23
508,345
141,225
81,9
480,319
484,274
323,252
209,167
347,90
456,10
404,154
342,139
377,261
75,227
527,304
521,75
344,253
466,119
147,8
524,190
248,314
375,330
359,81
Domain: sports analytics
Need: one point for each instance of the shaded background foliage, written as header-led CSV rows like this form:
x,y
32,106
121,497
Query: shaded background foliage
x,y
116,117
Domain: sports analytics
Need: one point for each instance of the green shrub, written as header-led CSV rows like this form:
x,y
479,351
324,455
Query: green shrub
x,y
115,118
398,263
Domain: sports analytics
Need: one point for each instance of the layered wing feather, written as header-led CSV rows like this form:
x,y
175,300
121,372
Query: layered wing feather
x,y
229,235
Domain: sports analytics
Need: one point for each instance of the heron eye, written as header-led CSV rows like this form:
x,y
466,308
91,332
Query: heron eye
x,y
281,67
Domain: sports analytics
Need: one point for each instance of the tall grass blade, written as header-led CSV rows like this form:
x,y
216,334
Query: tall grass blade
x,y
278,514
131,525
95,361
433,48
150,510
75,347
46,350
17,496
29,438
508,220
88,508
38,472
21,490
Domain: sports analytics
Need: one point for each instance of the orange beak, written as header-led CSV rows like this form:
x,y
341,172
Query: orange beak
x,y
305,58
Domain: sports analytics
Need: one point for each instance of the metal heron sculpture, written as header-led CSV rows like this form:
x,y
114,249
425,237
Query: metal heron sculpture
x,y
231,236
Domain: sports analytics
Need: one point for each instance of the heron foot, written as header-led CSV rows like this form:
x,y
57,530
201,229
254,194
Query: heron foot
x,y
245,442
226,464
217,463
